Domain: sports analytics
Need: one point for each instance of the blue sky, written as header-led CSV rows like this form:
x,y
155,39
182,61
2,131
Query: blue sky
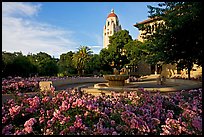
x,y
58,27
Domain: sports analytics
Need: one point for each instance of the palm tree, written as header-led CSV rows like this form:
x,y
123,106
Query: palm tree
x,y
81,57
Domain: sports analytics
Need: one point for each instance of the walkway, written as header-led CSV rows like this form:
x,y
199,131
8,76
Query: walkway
x,y
150,83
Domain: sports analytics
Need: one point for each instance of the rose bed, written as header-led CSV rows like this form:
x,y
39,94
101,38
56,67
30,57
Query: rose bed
x,y
71,112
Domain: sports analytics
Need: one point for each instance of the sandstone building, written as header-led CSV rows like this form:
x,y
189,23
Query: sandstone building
x,y
157,69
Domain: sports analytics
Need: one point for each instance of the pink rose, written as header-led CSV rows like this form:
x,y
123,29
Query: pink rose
x,y
114,133
41,119
197,123
72,128
30,122
28,129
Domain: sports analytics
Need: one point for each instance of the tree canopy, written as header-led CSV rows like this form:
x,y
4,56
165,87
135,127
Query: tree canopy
x,y
135,52
116,49
81,57
178,38
46,65
65,64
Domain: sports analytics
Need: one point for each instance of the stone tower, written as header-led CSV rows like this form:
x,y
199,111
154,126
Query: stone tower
x,y
111,26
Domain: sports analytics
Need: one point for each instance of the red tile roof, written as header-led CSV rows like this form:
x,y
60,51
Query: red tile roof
x,y
112,15
146,21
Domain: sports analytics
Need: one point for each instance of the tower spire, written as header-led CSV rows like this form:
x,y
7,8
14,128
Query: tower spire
x,y
112,11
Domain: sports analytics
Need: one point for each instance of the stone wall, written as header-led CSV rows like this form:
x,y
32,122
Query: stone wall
x,y
77,80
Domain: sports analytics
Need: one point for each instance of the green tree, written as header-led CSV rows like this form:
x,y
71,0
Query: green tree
x,y
7,60
135,51
116,48
178,39
65,63
23,66
46,65
93,65
50,67
81,57
105,67
32,58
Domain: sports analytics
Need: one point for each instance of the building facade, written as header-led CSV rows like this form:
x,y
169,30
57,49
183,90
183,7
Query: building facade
x,y
159,67
112,26
150,21
153,69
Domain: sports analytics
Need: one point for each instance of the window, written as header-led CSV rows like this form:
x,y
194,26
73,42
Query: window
x,y
116,23
108,23
105,33
153,27
148,29
110,32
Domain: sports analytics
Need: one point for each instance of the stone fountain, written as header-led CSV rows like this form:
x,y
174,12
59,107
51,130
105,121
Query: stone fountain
x,y
117,79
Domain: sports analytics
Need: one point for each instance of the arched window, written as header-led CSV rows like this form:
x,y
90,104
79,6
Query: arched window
x,y
153,27
108,23
148,29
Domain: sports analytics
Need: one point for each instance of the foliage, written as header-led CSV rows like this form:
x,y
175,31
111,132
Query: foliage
x,y
116,51
20,85
33,64
105,62
80,58
93,65
178,38
7,60
135,52
23,66
72,113
47,66
65,64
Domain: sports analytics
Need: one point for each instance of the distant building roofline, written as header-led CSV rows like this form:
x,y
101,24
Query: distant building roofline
x,y
149,20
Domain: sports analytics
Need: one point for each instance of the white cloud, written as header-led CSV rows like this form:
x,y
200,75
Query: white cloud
x,y
95,46
25,35
25,9
99,41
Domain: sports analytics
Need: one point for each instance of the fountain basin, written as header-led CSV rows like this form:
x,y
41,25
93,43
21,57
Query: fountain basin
x,y
116,80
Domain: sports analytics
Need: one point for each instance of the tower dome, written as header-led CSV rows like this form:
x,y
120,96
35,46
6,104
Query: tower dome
x,y
112,14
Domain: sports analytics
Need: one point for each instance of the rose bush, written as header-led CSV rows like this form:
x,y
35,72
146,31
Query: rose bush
x,y
17,85
69,112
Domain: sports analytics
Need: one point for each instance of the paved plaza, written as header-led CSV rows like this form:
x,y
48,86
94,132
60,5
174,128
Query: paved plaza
x,y
147,83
